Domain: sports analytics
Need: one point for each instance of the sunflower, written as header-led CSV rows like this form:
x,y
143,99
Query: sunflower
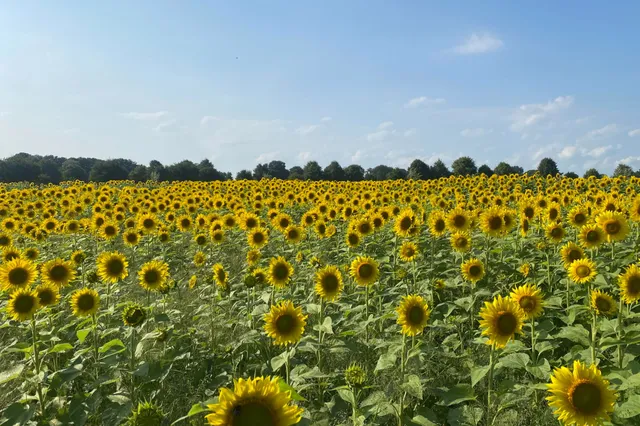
x,y
614,225
109,230
413,314
525,269
58,272
591,236
355,375
253,256
192,282
22,304
31,253
163,235
131,237
257,237
629,284
571,252
492,222
294,234
153,275
581,396
582,271
5,239
133,315
220,276
78,257
260,275
461,242
472,270
47,294
280,272
217,236
285,323
200,239
353,239
184,222
437,223
146,414
364,270
554,232
17,273
578,216
112,267
530,300
199,259
408,251
85,302
602,303
257,401
458,220
501,320
328,282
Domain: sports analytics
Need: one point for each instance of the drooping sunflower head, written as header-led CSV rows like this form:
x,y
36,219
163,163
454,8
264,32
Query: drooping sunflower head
x,y
529,298
525,269
9,253
253,256
17,273
193,281
257,237
261,275
285,323
353,239
78,257
555,233
58,272
220,276
629,284
22,304
47,294
31,253
364,270
328,283
582,271
253,402
112,267
153,275
571,252
461,242
146,414
355,375
614,225
472,270
85,302
602,303
280,272
501,320
591,236
413,314
408,251
581,396
133,315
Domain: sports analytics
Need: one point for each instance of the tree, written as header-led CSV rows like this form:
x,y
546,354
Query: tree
x,y
244,175
207,172
71,170
261,171
157,171
312,171
623,170
334,172
517,170
464,166
105,170
485,169
296,173
354,173
419,170
548,167
592,172
571,175
140,173
50,171
503,169
278,169
439,169
397,173
379,172
183,171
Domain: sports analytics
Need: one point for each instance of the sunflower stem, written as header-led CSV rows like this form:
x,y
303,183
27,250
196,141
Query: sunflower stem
x,y
620,334
132,363
320,333
96,343
533,341
366,314
568,291
36,359
490,381
402,369
286,366
593,336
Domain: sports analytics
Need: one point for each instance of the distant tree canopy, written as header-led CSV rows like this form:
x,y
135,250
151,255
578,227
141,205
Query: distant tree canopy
x,y
24,167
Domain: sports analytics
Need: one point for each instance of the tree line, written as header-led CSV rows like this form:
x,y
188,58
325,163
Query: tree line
x,y
25,167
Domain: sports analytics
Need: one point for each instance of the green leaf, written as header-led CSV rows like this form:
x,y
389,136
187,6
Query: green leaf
x,y
465,415
413,386
541,371
457,394
119,399
577,334
425,417
517,360
11,374
279,360
347,395
478,373
386,361
18,414
196,409
630,408
70,373
60,347
82,334
326,326
630,383
115,342
285,387
376,398
313,308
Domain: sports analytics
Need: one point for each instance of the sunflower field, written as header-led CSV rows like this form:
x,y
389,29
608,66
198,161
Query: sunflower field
x,y
502,300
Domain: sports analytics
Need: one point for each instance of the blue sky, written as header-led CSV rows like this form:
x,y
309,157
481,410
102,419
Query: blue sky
x,y
368,82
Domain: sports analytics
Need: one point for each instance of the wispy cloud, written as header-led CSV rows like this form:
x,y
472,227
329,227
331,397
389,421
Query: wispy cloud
x,y
601,133
267,156
479,43
164,125
530,114
306,130
634,133
568,151
423,101
325,119
598,151
475,133
304,156
145,116
384,129
410,132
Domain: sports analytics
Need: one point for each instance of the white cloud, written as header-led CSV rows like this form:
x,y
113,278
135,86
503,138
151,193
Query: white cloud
x,y
603,132
598,151
305,130
145,116
165,124
475,133
629,160
357,156
423,100
634,133
325,119
385,125
410,132
582,120
529,114
543,150
304,156
266,157
378,136
568,151
479,43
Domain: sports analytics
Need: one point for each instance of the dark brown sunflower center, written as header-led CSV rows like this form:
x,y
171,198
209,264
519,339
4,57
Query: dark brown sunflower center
x,y
58,273
115,267
633,285
148,223
556,233
284,223
440,225
86,302
406,222
575,255
135,316
586,398
185,223
527,303
201,239
459,221
583,271
353,239
612,228
415,315
292,234
286,323
495,223
330,283
475,270
409,252
164,237
506,324
593,236
252,413
132,238
24,304
110,231
281,272
151,276
18,276
603,304
529,212
553,214
461,242
4,240
258,237
579,218
222,275
365,271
